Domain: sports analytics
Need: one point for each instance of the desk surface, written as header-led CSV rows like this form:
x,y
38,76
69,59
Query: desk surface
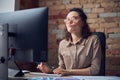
x,y
43,76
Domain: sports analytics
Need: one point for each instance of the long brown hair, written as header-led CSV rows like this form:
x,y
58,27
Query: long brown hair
x,y
85,29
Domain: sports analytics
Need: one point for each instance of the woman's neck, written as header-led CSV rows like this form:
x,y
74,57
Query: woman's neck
x,y
75,37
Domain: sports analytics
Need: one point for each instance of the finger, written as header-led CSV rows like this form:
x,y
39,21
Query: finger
x,y
56,71
38,66
43,63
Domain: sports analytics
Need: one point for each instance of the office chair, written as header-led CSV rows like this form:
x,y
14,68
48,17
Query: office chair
x,y
102,38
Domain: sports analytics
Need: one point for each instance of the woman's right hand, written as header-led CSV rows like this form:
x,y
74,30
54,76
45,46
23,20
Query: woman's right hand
x,y
44,68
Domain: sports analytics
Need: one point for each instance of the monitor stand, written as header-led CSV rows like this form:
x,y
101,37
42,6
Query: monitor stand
x,y
20,73
12,52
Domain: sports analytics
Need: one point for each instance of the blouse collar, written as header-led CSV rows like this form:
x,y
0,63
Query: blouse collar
x,y
80,41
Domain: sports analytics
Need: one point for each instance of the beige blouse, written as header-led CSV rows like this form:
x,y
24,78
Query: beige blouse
x,y
86,53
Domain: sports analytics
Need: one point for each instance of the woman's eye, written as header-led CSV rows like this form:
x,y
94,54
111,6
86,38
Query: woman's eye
x,y
75,17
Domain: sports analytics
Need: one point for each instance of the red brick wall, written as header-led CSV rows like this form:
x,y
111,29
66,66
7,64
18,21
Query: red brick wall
x,y
26,4
103,16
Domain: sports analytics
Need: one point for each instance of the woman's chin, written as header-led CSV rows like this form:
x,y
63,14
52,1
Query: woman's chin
x,y
71,31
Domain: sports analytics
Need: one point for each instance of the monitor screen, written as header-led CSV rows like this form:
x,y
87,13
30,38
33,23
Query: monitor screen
x,y
30,32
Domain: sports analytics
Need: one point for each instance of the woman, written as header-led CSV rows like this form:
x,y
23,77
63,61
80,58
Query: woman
x,y
79,53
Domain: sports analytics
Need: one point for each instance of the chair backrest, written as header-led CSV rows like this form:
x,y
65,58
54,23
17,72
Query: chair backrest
x,y
102,38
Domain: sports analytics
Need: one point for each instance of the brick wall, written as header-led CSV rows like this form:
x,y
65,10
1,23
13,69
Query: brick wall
x,y
103,16
26,4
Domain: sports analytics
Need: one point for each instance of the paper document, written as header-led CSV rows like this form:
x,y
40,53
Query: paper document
x,y
44,74
12,72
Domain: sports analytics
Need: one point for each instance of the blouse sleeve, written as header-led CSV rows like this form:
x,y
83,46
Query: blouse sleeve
x,y
96,59
60,57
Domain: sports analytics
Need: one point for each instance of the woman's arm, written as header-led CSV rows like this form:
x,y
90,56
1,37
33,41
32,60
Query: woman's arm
x,y
85,71
96,59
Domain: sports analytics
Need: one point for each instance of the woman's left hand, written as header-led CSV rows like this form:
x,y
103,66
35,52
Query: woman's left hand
x,y
63,72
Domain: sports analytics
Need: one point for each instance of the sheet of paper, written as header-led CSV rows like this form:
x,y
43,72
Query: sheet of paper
x,y
12,72
44,74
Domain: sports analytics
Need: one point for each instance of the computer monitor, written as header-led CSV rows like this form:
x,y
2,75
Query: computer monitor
x,y
28,33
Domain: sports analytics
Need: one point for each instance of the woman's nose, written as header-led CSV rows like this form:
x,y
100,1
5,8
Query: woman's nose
x,y
70,21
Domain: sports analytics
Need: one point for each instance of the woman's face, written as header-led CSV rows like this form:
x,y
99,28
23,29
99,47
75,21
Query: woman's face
x,y
73,22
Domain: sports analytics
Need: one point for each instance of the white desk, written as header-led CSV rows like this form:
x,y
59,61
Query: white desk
x,y
43,76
